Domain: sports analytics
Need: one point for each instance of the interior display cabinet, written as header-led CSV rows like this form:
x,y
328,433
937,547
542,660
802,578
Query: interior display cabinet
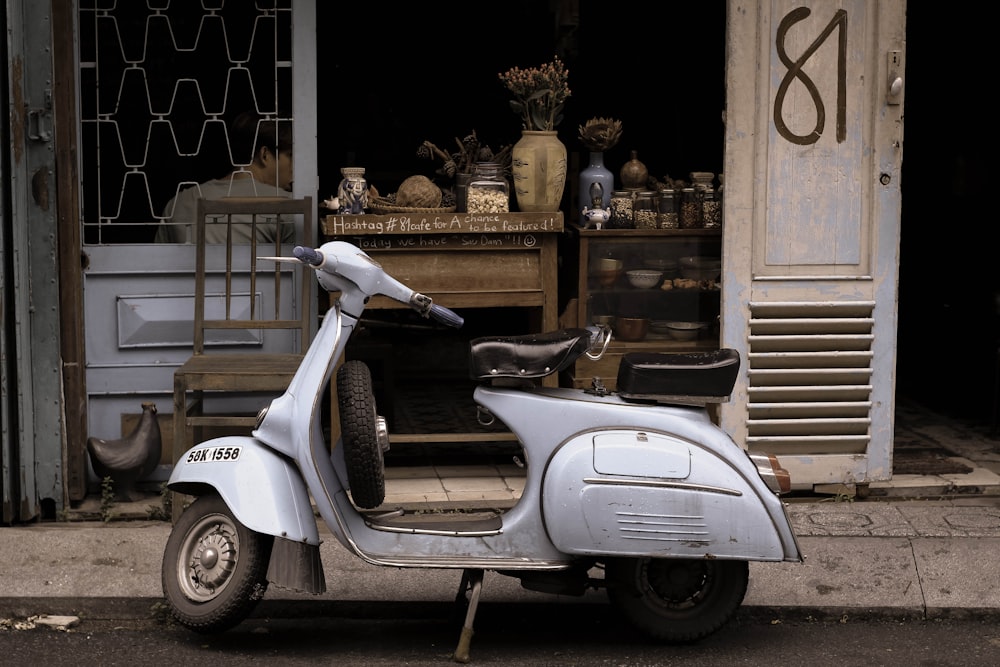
x,y
658,289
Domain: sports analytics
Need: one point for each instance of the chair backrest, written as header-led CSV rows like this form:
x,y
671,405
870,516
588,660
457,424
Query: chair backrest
x,y
238,297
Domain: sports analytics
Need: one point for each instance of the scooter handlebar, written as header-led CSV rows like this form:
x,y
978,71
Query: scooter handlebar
x,y
446,316
309,256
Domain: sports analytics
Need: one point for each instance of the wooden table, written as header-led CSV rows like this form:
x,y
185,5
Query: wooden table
x,y
462,260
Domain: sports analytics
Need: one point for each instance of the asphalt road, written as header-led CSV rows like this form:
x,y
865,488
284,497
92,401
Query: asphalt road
x,y
510,635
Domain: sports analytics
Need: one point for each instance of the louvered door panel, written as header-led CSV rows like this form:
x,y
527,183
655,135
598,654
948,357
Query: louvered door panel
x,y
803,396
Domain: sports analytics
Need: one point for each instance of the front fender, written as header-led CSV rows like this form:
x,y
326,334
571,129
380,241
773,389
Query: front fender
x,y
264,490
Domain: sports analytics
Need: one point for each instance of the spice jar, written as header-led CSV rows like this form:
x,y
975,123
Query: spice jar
x,y
644,210
621,210
488,190
711,209
667,209
690,213
353,191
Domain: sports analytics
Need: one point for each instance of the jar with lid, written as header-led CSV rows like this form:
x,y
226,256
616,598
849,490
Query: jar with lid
x,y
690,209
667,209
353,191
711,209
488,190
644,210
621,210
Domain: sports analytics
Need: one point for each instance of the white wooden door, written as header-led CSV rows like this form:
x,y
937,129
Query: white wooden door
x,y
814,124
157,88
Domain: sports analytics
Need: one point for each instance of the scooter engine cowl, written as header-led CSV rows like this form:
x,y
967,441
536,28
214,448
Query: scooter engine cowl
x,y
633,493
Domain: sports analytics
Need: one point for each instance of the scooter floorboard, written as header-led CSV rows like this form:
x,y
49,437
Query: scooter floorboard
x,y
443,522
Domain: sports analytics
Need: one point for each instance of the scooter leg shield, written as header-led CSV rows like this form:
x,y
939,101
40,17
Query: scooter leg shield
x,y
265,491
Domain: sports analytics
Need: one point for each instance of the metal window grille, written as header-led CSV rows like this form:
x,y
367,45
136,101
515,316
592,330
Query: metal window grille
x,y
160,82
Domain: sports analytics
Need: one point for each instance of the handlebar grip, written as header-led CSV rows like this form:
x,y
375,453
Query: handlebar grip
x,y
310,256
446,316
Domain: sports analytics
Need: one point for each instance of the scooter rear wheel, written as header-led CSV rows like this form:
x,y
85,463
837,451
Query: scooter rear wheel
x,y
359,429
677,600
214,568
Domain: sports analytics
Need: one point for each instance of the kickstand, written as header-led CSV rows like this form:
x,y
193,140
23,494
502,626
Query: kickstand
x,y
472,581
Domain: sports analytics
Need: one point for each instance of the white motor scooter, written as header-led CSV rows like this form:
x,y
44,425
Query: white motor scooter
x,y
635,491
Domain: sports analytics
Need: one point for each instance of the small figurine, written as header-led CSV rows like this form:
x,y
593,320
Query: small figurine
x,y
596,216
352,193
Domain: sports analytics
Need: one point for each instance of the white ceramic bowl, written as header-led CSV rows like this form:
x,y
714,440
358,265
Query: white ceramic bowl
x,y
659,327
660,264
644,278
684,330
701,268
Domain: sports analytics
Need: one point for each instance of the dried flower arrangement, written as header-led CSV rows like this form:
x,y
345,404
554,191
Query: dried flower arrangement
x,y
600,134
470,151
539,93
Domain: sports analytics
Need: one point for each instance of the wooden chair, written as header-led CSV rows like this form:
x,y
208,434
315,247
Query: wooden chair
x,y
251,325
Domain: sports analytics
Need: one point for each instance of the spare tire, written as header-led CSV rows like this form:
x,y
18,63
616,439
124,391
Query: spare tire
x,y
362,434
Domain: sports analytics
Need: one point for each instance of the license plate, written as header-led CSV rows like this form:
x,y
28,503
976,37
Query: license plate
x,y
214,454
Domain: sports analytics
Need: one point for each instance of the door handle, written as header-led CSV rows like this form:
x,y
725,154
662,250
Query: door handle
x,y
894,88
39,128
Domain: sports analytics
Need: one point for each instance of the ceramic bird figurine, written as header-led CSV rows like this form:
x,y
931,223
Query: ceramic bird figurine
x,y
131,458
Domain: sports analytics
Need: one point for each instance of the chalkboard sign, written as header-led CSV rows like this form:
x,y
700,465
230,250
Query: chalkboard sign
x,y
444,241
442,223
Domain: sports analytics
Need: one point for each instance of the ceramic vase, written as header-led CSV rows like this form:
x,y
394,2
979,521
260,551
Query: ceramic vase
x,y
634,173
595,172
538,163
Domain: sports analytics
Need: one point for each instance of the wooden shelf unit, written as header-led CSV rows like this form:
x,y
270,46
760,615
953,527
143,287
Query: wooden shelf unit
x,y
462,260
634,247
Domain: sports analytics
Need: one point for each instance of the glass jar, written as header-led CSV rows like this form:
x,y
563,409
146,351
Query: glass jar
x,y
353,191
667,209
690,213
644,210
711,209
488,190
621,210
701,178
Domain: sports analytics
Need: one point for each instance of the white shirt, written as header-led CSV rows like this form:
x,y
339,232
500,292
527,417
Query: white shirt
x,y
183,208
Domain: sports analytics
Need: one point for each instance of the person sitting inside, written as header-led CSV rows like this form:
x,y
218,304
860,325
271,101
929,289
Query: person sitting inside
x,y
267,173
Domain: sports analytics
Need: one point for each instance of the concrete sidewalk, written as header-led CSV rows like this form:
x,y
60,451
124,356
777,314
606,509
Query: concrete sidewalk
x,y
918,546
906,559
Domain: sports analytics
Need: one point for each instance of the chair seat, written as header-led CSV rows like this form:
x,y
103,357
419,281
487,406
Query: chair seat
x,y
239,372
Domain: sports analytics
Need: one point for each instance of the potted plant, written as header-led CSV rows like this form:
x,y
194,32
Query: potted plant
x,y
598,135
538,158
458,165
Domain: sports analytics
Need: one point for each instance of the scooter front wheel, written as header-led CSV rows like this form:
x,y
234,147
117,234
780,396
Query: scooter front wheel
x,y
214,568
677,600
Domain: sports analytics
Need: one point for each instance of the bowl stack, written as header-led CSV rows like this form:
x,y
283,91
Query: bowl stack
x,y
684,330
701,268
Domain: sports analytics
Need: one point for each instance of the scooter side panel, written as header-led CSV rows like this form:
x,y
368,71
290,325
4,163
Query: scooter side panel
x,y
264,490
637,493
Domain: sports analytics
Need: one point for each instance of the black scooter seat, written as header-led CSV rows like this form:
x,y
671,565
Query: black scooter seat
x,y
528,356
686,378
